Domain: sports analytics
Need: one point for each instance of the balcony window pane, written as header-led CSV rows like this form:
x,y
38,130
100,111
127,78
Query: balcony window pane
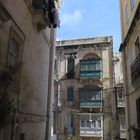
x,y
90,98
99,123
82,123
122,125
93,124
88,123
137,46
90,64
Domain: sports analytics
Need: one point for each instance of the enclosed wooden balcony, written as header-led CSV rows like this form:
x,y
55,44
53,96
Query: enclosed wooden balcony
x,y
91,125
91,98
91,68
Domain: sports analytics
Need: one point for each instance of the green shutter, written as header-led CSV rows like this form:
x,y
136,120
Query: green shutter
x,y
70,95
70,68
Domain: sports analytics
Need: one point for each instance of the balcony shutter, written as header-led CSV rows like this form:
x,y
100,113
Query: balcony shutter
x,y
69,120
138,111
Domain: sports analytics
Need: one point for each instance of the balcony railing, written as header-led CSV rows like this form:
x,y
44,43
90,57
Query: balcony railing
x,y
91,132
91,104
135,68
69,131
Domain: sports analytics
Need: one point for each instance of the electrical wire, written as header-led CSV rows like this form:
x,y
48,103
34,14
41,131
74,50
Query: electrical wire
x,y
131,93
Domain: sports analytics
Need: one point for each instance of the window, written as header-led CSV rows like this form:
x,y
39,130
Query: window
x,y
90,95
22,136
69,120
138,111
82,123
70,68
132,2
120,92
89,122
70,94
137,46
13,53
90,65
126,14
122,123
93,124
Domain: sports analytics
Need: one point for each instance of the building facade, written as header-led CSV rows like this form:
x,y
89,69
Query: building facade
x,y
84,87
120,98
130,48
27,38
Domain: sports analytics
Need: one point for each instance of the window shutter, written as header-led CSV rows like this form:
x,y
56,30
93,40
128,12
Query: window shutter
x,y
13,53
70,68
70,95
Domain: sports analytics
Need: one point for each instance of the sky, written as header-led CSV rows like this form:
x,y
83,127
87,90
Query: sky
x,y
90,18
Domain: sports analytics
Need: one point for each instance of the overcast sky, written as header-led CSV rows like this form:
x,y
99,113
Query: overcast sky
x,y
90,18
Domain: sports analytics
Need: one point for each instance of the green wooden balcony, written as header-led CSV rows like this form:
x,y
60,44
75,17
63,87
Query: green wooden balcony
x,y
91,68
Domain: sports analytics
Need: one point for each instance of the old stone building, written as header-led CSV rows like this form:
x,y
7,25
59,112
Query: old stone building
x,y
120,98
130,48
27,38
84,88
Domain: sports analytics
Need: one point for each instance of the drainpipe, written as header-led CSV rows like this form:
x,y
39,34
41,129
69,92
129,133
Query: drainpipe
x,y
50,87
